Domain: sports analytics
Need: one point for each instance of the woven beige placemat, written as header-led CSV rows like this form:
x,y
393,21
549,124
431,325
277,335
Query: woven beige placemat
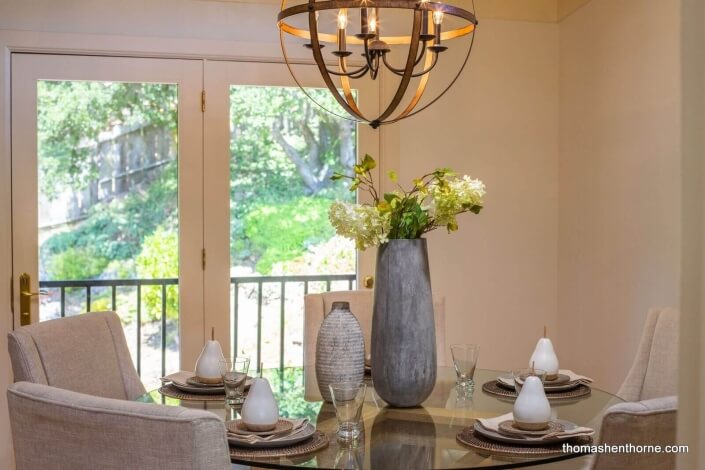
x,y
469,437
493,388
173,392
317,442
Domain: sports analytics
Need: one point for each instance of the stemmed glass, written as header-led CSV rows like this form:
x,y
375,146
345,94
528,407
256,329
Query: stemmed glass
x,y
348,398
465,360
234,375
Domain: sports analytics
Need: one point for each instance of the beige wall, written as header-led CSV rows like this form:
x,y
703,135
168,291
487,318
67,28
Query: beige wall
x,y
500,124
619,215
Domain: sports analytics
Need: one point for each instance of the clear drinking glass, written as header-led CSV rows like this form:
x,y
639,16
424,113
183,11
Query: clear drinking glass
x,y
465,360
234,374
520,374
350,457
348,398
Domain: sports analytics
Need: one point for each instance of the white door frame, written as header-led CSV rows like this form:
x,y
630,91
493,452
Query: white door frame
x,y
27,69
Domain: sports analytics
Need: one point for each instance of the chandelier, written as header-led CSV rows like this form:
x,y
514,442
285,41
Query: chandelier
x,y
343,57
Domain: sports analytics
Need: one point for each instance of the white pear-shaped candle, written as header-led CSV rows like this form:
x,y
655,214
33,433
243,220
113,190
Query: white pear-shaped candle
x,y
544,357
208,363
532,411
260,411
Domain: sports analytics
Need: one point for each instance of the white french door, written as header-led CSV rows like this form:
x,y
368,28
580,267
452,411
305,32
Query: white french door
x,y
123,172
92,139
227,84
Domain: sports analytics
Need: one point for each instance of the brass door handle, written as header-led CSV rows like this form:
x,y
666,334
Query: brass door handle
x,y
35,294
369,282
25,299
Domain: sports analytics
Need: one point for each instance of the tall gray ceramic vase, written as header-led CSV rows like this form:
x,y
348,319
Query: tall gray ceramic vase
x,y
403,326
340,349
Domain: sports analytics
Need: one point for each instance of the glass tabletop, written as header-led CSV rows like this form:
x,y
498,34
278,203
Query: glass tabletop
x,y
412,438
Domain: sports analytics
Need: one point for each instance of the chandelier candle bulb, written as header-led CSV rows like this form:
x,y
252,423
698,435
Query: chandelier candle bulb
x,y
364,21
341,40
424,25
437,22
342,19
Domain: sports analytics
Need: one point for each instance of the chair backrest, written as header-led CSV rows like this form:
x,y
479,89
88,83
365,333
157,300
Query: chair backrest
x,y
86,353
654,372
317,306
57,428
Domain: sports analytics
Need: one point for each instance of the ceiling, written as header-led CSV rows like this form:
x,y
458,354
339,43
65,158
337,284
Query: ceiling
x,y
545,11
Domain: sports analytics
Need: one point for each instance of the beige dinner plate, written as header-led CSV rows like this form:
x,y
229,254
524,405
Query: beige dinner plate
x,y
191,385
527,441
198,389
509,428
238,427
552,386
284,441
197,383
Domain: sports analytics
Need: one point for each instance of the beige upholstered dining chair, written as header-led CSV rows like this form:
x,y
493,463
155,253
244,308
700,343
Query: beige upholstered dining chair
x,y
649,415
86,353
57,428
654,372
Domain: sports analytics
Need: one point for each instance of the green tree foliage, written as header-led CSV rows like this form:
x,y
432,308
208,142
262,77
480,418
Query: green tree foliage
x,y
116,230
77,263
288,386
282,232
73,114
159,259
283,147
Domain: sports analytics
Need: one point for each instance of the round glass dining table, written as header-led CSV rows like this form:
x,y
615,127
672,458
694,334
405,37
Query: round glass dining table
x,y
393,438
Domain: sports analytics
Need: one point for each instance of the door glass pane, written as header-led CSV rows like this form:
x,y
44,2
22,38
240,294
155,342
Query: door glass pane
x,y
284,150
108,210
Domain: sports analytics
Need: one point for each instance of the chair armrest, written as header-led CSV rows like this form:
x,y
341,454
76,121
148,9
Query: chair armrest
x,y
79,431
649,422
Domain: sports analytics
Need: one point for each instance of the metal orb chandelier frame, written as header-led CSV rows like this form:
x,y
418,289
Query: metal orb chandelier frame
x,y
426,43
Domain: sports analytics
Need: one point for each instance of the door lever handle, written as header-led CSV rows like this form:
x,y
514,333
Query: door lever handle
x,y
25,296
35,294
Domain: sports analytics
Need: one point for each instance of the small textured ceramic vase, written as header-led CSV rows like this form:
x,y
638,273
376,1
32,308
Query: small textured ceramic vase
x,y
340,349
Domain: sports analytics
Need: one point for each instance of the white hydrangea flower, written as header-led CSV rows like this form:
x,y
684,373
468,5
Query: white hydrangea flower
x,y
445,202
361,223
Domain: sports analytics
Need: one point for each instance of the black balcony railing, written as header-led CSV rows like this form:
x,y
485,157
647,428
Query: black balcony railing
x,y
282,281
323,284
